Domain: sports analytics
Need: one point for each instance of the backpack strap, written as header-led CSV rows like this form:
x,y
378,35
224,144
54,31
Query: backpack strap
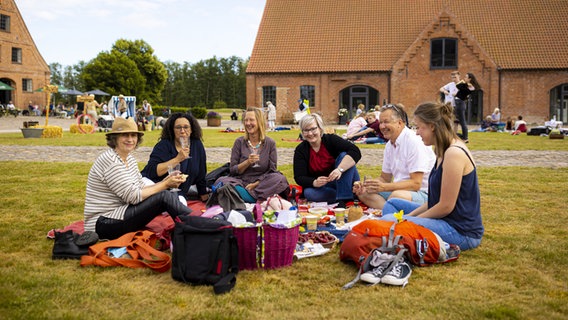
x,y
228,282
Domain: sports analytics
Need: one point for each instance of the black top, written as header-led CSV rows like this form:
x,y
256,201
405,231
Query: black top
x,y
334,145
463,91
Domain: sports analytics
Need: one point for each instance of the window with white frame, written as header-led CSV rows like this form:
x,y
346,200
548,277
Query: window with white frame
x,y
16,55
27,85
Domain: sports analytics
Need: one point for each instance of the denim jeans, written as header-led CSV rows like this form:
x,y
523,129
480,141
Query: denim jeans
x,y
459,110
439,226
341,189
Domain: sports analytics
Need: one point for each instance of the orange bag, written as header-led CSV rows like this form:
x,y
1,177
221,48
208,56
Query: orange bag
x,y
423,246
139,245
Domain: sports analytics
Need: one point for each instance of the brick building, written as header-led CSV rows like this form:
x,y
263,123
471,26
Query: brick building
x,y
21,65
338,54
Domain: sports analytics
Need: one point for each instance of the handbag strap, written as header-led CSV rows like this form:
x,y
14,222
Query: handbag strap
x,y
139,245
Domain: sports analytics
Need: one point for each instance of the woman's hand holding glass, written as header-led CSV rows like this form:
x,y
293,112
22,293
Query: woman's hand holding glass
x,y
371,185
185,145
175,177
254,157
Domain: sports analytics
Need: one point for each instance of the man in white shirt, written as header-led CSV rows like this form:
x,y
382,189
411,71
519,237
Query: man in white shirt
x,y
407,163
450,89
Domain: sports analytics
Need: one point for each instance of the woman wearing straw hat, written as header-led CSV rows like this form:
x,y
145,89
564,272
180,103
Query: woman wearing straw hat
x,y
117,201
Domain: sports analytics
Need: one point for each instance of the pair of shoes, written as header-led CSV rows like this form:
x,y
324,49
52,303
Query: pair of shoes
x,y
398,275
69,245
374,276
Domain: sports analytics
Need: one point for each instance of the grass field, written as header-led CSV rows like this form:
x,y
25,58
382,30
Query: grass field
x,y
520,271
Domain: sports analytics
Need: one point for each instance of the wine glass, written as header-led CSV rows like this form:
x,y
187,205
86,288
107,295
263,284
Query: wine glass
x,y
174,171
185,142
255,151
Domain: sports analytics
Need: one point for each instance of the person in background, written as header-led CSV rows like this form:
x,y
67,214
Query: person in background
x,y
324,164
148,112
449,90
360,109
371,131
271,115
406,164
122,107
117,201
234,115
356,125
169,151
520,126
254,162
465,88
485,125
453,209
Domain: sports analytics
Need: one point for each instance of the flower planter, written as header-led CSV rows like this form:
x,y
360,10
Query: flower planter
x,y
32,132
213,122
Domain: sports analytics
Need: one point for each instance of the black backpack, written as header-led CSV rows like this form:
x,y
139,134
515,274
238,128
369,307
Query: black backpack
x,y
205,253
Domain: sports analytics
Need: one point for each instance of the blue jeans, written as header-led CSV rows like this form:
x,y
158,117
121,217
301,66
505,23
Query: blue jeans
x,y
439,226
333,191
459,110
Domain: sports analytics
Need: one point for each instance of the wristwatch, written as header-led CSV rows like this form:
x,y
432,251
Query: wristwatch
x,y
341,169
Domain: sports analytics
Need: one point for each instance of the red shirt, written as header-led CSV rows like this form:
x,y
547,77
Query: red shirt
x,y
321,162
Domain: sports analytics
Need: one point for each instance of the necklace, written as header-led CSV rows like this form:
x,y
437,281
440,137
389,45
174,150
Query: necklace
x,y
254,147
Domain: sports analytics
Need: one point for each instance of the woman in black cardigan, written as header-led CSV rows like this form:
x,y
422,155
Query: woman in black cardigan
x,y
324,164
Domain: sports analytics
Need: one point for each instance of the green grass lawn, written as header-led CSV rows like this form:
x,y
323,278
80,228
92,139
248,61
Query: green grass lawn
x,y
520,271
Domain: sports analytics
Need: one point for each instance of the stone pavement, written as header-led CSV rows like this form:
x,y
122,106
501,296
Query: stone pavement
x,y
373,157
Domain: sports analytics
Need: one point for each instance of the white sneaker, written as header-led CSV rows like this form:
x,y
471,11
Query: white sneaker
x,y
398,276
374,276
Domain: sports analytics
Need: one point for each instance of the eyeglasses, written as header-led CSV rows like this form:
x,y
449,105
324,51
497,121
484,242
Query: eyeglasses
x,y
180,128
311,130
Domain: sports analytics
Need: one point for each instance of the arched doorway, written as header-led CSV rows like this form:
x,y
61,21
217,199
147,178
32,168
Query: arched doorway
x,y
351,97
559,103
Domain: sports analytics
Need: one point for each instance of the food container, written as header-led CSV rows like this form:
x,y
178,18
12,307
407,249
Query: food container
x,y
318,211
312,222
339,216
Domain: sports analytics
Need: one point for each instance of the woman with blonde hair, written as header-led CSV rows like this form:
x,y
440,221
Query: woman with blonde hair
x,y
324,164
254,161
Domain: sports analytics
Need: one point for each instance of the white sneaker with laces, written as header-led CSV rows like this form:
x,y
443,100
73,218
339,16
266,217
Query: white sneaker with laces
x,y
398,276
374,276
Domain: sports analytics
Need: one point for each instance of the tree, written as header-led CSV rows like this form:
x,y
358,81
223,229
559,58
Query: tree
x,y
147,63
130,68
115,73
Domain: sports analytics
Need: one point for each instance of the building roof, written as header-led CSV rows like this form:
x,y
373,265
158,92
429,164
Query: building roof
x,y
372,35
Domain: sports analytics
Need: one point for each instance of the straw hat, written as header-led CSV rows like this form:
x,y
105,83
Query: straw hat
x,y
122,125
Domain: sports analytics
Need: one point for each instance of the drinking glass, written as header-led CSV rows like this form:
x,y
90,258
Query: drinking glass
x,y
174,171
255,151
185,143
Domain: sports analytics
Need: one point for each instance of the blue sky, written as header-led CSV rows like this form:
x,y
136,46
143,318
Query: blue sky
x,y
68,31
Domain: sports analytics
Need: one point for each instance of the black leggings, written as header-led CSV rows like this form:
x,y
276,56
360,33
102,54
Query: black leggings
x,y
139,215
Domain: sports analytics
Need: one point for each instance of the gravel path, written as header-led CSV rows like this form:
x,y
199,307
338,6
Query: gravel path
x,y
484,158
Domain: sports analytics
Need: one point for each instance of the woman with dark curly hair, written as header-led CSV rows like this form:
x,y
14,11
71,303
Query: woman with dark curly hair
x,y
180,143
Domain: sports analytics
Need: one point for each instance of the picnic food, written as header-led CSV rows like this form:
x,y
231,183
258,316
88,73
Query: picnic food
x,y
316,237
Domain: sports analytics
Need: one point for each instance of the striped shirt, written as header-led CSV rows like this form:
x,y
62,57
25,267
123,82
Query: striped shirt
x,y
111,187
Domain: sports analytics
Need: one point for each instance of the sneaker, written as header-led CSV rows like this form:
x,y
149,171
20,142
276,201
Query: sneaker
x,y
374,276
87,238
398,276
